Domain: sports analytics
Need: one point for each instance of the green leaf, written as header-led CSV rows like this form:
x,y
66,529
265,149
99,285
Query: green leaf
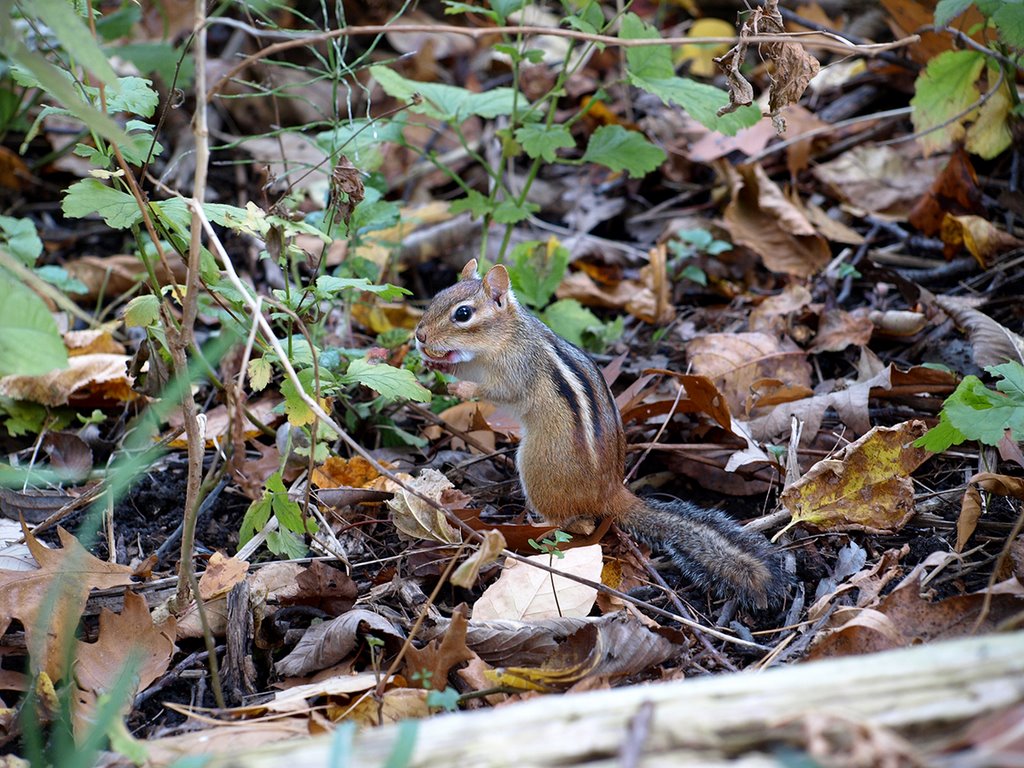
x,y
390,382
650,68
477,204
21,240
74,35
621,150
453,8
361,141
89,196
329,285
538,140
570,320
974,412
947,10
505,8
257,516
30,344
509,212
1012,379
37,71
259,373
142,311
947,88
447,103
23,417
133,94
535,273
286,544
59,277
1009,21
160,59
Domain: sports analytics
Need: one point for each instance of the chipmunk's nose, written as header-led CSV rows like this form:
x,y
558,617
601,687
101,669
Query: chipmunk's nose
x,y
421,335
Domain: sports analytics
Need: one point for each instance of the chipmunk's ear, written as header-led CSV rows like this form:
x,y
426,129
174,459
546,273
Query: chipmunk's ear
x,y
469,271
497,285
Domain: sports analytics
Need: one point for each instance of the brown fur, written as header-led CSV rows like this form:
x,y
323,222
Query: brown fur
x,y
572,456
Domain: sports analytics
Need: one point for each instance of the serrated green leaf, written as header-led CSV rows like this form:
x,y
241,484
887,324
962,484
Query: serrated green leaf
x,y
1009,21
298,412
509,212
947,10
648,62
981,414
946,88
447,103
535,273
142,311
56,84
21,239
259,371
1012,383
30,344
74,35
539,140
477,204
133,94
621,150
390,382
89,196
257,516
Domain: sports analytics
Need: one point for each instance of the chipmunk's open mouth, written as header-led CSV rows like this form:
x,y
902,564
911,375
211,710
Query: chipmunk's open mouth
x,y
439,359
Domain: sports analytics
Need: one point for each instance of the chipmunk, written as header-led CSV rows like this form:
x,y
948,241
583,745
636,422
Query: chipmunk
x,y
572,456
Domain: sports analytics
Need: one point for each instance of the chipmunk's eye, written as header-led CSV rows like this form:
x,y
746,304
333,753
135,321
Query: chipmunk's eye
x,y
463,313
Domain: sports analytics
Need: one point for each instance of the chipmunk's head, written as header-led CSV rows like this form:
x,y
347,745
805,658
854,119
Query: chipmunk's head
x,y
472,318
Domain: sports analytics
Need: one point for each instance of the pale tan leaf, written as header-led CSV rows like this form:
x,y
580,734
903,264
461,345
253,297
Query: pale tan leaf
x,y
523,592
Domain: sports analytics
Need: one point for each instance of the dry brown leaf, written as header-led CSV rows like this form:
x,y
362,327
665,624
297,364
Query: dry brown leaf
x,y
219,421
127,642
904,618
637,297
850,402
324,587
970,509
488,552
396,705
61,584
838,330
504,642
328,643
611,646
864,487
296,159
94,379
524,592
880,179
92,341
119,274
337,472
954,191
417,519
774,314
734,361
907,17
991,342
982,239
429,666
221,575
761,217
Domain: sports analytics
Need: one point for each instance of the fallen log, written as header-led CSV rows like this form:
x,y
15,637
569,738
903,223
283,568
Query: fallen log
x,y
895,708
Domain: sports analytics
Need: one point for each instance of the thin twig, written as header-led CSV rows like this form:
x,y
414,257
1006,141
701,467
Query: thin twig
x,y
827,40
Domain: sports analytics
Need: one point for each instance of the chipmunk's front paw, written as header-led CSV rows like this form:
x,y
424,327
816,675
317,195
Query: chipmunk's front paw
x,y
464,389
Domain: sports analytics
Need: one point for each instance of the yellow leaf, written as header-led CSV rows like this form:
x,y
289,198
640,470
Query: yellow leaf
x,y
701,57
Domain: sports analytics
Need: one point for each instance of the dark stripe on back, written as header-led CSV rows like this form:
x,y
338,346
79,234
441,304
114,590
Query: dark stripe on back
x,y
567,392
565,354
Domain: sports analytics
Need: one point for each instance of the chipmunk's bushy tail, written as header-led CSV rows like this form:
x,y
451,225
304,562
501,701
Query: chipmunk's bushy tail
x,y
713,552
